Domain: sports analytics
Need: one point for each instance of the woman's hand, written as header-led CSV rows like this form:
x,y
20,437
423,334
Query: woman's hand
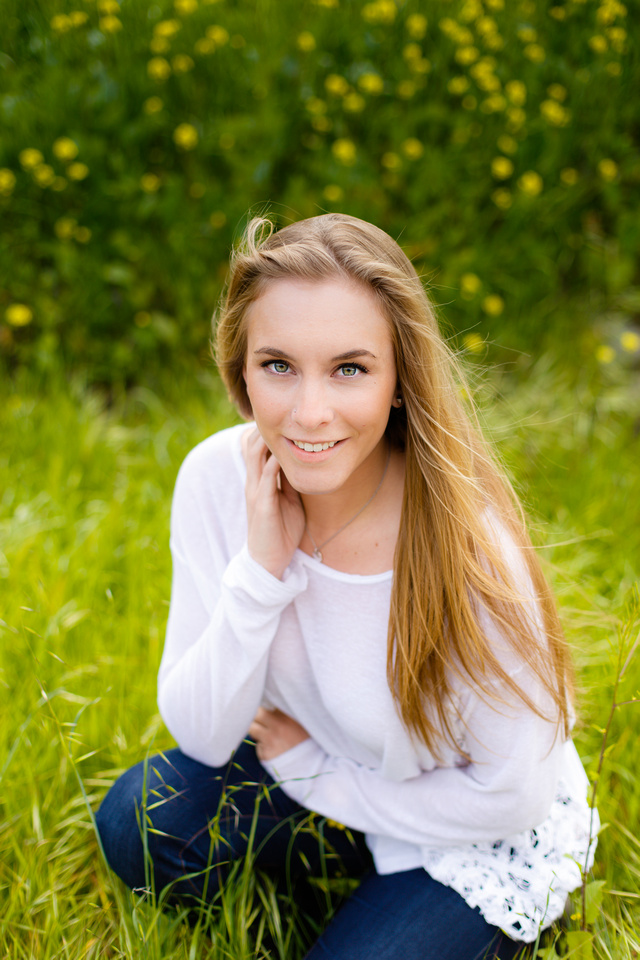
x,y
274,732
274,510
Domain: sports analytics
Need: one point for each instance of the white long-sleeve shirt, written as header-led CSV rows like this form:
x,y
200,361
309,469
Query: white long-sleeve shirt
x,y
508,829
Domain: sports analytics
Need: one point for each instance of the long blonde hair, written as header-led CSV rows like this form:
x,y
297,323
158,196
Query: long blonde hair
x,y
450,570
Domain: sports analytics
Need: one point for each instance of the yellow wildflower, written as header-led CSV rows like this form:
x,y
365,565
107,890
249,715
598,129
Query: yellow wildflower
x,y
527,34
64,148
630,341
204,45
7,181
78,171
78,18
557,92
167,28
412,148
598,43
493,104
531,183
18,315
494,41
182,63
412,51
344,150
516,91
488,82
391,161
108,7
82,234
152,105
501,168
30,158
471,10
333,193
371,83
61,23
159,45
569,176
420,66
470,284
64,227
354,103
336,85
322,124
416,25
502,198
218,219
382,11
306,41
516,117
617,36
473,342
405,89
315,105
185,7
554,113
605,354
44,175
466,55
486,25
534,52
507,144
150,182
158,68
608,170
495,4
185,136
458,85
558,13
219,34
493,305
110,24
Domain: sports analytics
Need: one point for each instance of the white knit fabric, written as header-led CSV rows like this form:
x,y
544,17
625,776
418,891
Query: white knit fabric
x,y
509,830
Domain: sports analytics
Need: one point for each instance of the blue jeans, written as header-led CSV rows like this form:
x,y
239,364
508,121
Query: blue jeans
x,y
197,821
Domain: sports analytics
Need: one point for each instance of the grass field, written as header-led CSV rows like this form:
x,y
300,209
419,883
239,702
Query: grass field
x,y
85,487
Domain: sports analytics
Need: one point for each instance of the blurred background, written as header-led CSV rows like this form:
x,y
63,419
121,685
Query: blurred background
x,y
497,141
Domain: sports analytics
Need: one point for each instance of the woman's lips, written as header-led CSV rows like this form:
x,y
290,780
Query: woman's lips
x,y
314,454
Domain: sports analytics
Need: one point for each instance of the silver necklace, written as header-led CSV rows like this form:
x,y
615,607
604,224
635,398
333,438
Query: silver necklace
x,y
317,555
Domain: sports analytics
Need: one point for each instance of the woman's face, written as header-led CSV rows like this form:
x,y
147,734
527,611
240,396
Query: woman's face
x,y
321,376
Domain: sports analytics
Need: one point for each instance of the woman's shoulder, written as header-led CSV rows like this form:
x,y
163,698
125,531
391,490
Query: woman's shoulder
x,y
215,465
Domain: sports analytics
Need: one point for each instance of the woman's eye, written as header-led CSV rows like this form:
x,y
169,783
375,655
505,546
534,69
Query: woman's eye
x,y
350,370
278,366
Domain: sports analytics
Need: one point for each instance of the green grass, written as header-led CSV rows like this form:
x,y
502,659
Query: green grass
x,y
85,490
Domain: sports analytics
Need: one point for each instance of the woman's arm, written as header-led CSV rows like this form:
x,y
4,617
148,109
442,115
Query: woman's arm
x,y
509,786
223,616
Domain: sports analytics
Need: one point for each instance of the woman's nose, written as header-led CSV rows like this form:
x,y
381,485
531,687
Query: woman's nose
x,y
311,406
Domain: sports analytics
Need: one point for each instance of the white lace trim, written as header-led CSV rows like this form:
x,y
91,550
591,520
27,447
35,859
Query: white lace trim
x,y
521,883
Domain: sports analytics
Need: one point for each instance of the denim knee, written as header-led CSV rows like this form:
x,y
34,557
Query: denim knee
x,y
119,824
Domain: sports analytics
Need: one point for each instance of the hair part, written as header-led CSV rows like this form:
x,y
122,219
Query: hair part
x,y
449,566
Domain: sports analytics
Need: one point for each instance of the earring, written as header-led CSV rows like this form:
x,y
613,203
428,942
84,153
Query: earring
x,y
399,400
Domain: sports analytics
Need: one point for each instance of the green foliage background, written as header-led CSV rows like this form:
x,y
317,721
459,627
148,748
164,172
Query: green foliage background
x,y
497,140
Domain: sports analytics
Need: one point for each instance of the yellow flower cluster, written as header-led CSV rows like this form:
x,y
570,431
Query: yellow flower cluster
x,y
493,305
412,148
306,41
333,193
185,7
380,11
416,25
554,113
473,342
501,168
608,170
215,36
7,181
516,92
63,22
67,228
159,69
344,150
531,183
185,136
470,285
371,83
18,315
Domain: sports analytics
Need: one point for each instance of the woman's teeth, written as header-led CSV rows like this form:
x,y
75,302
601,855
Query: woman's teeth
x,y
314,447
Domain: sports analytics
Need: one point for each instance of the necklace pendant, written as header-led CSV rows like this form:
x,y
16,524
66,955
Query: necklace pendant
x,y
317,555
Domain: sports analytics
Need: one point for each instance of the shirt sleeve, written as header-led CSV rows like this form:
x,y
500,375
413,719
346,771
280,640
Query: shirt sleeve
x,y
223,617
509,785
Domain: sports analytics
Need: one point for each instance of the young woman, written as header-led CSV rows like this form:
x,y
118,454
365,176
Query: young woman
x,y
353,590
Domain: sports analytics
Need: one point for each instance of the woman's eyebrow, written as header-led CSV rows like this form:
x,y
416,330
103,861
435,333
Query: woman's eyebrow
x,y
349,355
